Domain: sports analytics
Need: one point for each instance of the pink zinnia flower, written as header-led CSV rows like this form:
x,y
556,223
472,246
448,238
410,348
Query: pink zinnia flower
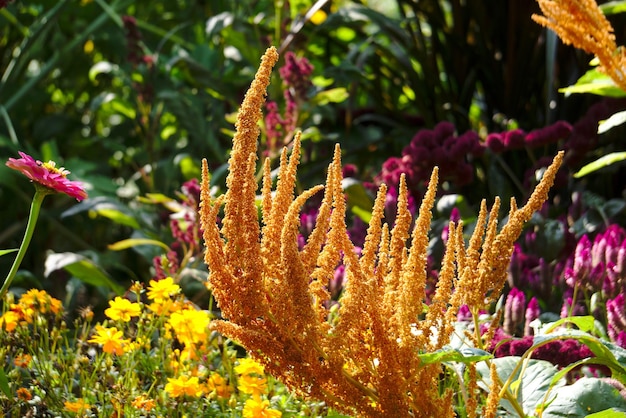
x,y
48,175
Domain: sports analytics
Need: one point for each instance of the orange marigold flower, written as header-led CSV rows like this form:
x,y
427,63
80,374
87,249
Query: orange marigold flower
x,y
252,385
41,301
79,406
161,290
48,175
22,360
143,402
258,408
183,385
248,366
110,339
24,394
122,309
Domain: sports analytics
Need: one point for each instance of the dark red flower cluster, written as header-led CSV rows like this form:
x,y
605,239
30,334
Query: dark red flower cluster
x,y
296,74
133,38
517,138
429,148
561,353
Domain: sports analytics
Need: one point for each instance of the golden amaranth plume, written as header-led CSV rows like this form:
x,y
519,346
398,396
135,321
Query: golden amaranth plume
x,y
581,23
364,359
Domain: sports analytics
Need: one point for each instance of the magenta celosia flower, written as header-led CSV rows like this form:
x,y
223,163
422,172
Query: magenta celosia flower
x,y
47,175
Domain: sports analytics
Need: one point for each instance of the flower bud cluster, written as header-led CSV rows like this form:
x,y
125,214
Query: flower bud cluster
x,y
429,148
599,265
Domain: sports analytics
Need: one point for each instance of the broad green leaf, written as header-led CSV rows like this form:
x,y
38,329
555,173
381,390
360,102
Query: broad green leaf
x,y
613,7
5,252
102,67
4,384
584,323
595,82
357,195
530,387
586,396
133,242
82,268
118,217
336,95
608,413
465,355
606,353
615,120
601,162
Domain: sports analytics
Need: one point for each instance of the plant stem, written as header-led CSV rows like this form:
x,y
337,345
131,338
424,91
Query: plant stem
x,y
28,234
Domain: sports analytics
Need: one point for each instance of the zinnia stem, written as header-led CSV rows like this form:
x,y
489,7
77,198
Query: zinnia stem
x,y
28,234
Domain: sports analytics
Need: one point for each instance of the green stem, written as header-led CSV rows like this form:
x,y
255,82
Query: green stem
x,y
30,228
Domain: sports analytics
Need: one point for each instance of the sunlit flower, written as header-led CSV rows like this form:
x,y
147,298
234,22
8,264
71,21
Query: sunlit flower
x,y
143,402
248,366
190,325
79,406
110,339
252,385
22,360
258,408
9,321
122,309
24,394
160,290
183,385
40,300
217,383
48,175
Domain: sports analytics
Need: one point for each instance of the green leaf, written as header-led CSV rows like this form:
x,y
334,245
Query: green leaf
x,y
464,355
336,95
118,216
613,7
601,162
584,323
102,67
531,382
608,413
614,120
82,268
595,82
357,194
586,396
5,252
133,242
4,384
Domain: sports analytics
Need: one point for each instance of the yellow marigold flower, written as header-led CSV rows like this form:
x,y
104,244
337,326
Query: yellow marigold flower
x,y
183,385
9,321
217,383
160,290
122,309
258,408
79,406
143,402
248,366
252,385
110,339
24,394
190,325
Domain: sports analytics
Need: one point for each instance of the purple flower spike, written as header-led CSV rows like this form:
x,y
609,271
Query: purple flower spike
x,y
532,313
